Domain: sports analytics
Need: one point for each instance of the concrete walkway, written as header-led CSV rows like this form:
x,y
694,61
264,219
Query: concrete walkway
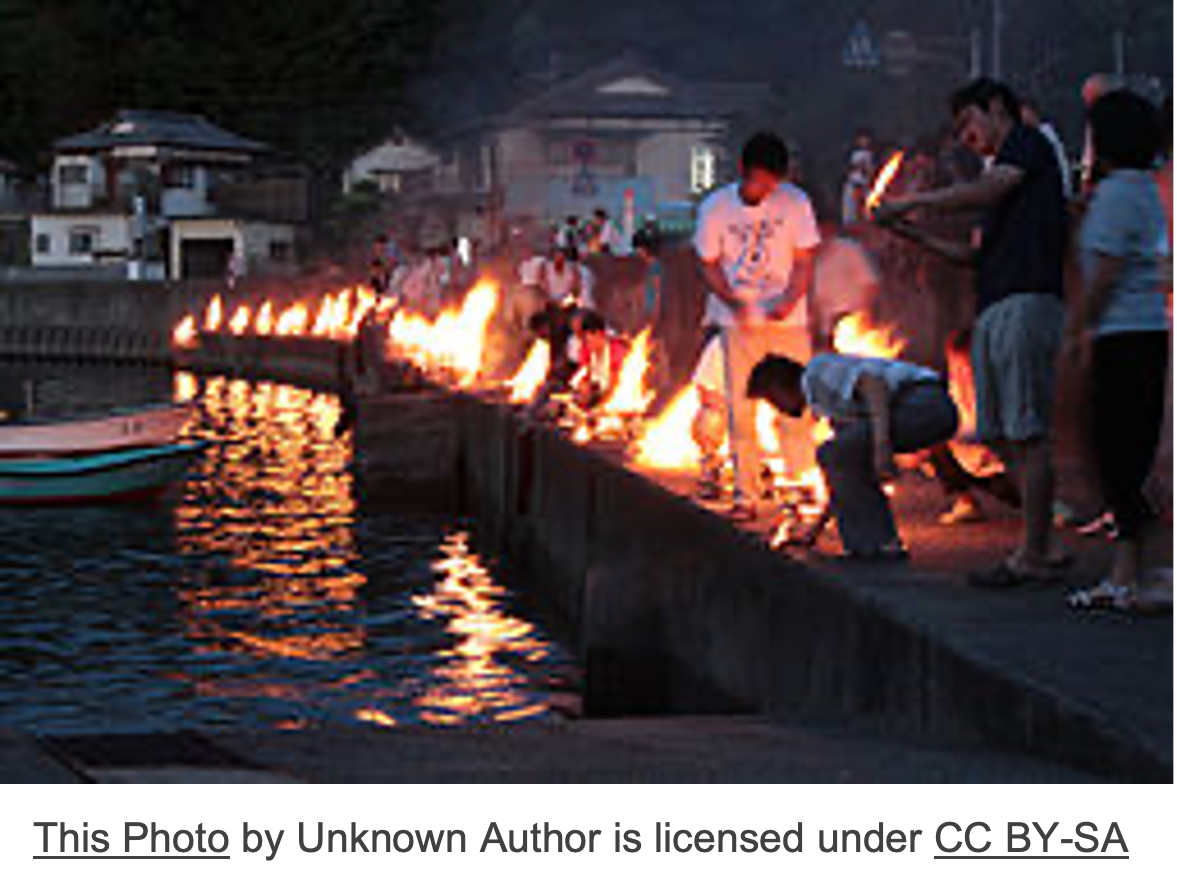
x,y
680,749
1116,668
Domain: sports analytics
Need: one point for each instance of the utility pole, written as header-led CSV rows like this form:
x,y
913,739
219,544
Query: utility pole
x,y
976,53
1119,54
997,24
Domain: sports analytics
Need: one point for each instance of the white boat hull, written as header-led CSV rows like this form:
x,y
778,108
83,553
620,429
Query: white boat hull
x,y
141,427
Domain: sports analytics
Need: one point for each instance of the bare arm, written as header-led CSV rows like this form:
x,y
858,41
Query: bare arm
x,y
952,250
716,280
984,192
1096,289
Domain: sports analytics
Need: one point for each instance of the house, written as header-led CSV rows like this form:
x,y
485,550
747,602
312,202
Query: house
x,y
624,136
143,192
393,167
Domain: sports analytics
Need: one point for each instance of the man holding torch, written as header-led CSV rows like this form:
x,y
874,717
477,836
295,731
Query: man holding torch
x,y
755,240
1019,283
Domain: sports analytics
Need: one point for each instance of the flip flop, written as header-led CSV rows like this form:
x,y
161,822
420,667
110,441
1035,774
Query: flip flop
x,y
1105,596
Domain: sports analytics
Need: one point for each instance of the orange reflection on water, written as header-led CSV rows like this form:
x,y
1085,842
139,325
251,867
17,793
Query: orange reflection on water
x,y
475,678
274,505
278,606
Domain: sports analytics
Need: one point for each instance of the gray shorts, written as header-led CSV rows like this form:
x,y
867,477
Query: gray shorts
x,y
1015,350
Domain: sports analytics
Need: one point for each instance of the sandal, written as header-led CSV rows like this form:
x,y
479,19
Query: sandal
x,y
1106,596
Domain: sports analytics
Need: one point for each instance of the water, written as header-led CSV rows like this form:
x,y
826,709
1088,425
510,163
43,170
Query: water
x,y
262,595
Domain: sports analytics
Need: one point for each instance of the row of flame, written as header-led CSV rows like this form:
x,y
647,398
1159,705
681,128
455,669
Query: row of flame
x,y
452,348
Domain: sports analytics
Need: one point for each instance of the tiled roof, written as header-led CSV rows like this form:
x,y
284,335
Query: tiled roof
x,y
158,128
629,87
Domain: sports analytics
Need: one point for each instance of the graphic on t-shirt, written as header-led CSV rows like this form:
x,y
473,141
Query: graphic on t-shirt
x,y
754,257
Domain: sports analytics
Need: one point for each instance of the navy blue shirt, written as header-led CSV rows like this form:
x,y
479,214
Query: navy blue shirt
x,y
1024,236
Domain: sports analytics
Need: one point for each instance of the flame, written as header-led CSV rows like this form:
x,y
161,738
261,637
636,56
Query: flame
x,y
263,325
239,323
453,344
184,334
526,382
630,396
668,443
293,321
214,315
856,335
883,180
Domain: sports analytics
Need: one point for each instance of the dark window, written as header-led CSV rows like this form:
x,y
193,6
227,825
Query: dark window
x,y
74,175
44,243
82,241
180,176
281,251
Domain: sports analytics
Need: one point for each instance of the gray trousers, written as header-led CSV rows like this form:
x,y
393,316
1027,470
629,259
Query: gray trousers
x,y
922,415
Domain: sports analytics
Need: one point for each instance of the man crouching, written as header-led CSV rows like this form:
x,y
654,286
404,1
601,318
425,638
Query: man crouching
x,y
876,408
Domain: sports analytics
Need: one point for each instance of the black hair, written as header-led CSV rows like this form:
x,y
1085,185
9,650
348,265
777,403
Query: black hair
x,y
981,93
1124,132
591,321
775,375
648,241
571,254
767,152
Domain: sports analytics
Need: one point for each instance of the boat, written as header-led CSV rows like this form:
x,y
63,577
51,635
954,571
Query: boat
x,y
139,426
126,475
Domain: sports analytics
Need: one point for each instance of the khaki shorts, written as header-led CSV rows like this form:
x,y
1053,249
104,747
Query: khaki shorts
x,y
1015,351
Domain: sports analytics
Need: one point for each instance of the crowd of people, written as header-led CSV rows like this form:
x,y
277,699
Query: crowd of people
x,y
1020,204
997,196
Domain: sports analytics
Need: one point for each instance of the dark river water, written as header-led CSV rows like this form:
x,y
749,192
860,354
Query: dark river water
x,y
261,595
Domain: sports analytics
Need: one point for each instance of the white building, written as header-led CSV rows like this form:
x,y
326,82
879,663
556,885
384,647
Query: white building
x,y
131,191
396,165
624,136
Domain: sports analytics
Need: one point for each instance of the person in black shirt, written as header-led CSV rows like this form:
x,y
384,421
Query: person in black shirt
x,y
1019,283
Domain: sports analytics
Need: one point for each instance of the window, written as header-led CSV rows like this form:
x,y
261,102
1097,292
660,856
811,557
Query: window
x,y
180,176
43,244
702,168
73,174
281,252
83,240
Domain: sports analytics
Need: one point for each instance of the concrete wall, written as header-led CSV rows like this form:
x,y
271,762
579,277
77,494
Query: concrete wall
x,y
119,321
676,610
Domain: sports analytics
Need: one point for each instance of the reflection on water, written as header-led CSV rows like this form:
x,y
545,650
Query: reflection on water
x,y
261,596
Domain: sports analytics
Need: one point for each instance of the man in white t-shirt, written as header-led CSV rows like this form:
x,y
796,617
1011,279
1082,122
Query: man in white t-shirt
x,y
564,280
755,240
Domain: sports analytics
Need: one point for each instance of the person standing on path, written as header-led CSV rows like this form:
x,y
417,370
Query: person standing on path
x,y
755,240
1120,329
1019,284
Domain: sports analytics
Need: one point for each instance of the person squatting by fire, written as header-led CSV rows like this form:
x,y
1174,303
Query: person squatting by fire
x,y
876,408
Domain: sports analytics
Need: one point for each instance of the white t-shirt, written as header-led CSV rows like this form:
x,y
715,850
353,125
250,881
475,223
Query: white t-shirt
x,y
563,285
530,269
830,380
755,245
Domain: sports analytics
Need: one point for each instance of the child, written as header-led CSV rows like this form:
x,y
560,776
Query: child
x,y
877,408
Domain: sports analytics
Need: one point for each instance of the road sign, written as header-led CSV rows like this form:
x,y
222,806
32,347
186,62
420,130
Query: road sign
x,y
860,51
